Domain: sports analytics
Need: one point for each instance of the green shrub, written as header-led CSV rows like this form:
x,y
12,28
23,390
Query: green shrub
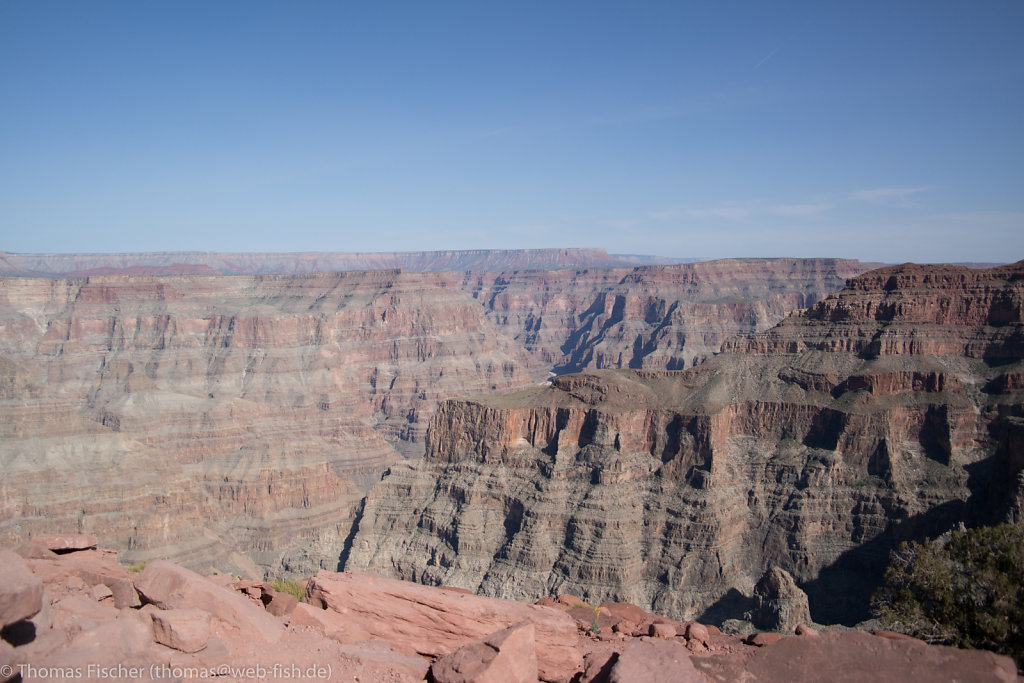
x,y
136,568
964,589
289,586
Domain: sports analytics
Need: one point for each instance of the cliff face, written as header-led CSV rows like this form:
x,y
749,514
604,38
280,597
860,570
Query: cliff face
x,y
885,412
196,417
234,421
650,317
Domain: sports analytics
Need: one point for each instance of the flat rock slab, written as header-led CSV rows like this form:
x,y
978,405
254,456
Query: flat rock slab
x,y
66,542
855,656
185,630
437,622
21,592
169,586
654,661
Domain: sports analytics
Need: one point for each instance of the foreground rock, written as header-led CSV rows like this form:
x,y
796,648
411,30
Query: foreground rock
x,y
507,656
21,592
779,604
436,622
366,628
854,656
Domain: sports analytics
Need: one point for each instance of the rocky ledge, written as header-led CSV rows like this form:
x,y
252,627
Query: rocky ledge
x,y
79,615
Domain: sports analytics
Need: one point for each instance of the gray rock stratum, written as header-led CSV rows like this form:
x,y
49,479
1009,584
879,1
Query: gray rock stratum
x,y
886,412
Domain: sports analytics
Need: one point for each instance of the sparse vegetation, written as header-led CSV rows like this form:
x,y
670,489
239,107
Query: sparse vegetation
x,y
137,567
595,628
961,589
289,586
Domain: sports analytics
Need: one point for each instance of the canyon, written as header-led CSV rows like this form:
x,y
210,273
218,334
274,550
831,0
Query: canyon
x,y
888,411
236,422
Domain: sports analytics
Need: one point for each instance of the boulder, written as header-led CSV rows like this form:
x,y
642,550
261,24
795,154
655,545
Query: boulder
x,y
762,639
436,622
506,656
169,586
331,624
21,592
779,604
662,630
280,604
66,542
186,630
654,661
698,633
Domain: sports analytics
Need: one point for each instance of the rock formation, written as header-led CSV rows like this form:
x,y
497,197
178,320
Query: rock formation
x,y
235,422
883,413
185,626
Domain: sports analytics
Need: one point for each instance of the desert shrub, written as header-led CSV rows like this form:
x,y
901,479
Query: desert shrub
x,y
289,586
964,589
136,568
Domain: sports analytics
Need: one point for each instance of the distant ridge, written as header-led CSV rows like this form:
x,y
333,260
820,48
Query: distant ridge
x,y
240,263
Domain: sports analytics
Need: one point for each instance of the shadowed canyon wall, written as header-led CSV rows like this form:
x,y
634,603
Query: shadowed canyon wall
x,y
234,422
888,411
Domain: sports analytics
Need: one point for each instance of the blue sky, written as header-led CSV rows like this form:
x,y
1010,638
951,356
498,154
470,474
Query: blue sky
x,y
875,130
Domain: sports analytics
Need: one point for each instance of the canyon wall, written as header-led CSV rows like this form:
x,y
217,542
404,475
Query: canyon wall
x,y
887,411
234,422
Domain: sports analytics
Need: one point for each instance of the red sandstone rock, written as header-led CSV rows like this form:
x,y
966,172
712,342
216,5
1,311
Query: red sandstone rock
x,y
281,604
21,592
187,630
332,624
697,633
654,661
170,587
853,657
893,635
662,631
435,622
66,542
506,656
762,639
569,601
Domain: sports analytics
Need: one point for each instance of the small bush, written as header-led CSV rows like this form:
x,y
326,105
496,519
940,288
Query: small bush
x,y
289,586
963,590
137,567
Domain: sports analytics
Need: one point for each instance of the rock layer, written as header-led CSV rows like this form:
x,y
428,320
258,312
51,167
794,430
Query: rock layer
x,y
808,447
235,422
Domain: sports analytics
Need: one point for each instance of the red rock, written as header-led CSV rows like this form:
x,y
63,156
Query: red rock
x,y
187,630
662,631
66,542
654,661
893,635
435,623
762,639
369,653
569,601
281,604
33,551
624,611
99,593
805,630
506,656
21,592
169,586
331,624
547,601
698,633
855,656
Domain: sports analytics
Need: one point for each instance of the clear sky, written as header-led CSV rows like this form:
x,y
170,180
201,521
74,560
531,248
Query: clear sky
x,y
888,131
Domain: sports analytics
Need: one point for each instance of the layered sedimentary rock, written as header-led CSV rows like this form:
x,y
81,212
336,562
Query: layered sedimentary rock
x,y
650,317
226,421
885,412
